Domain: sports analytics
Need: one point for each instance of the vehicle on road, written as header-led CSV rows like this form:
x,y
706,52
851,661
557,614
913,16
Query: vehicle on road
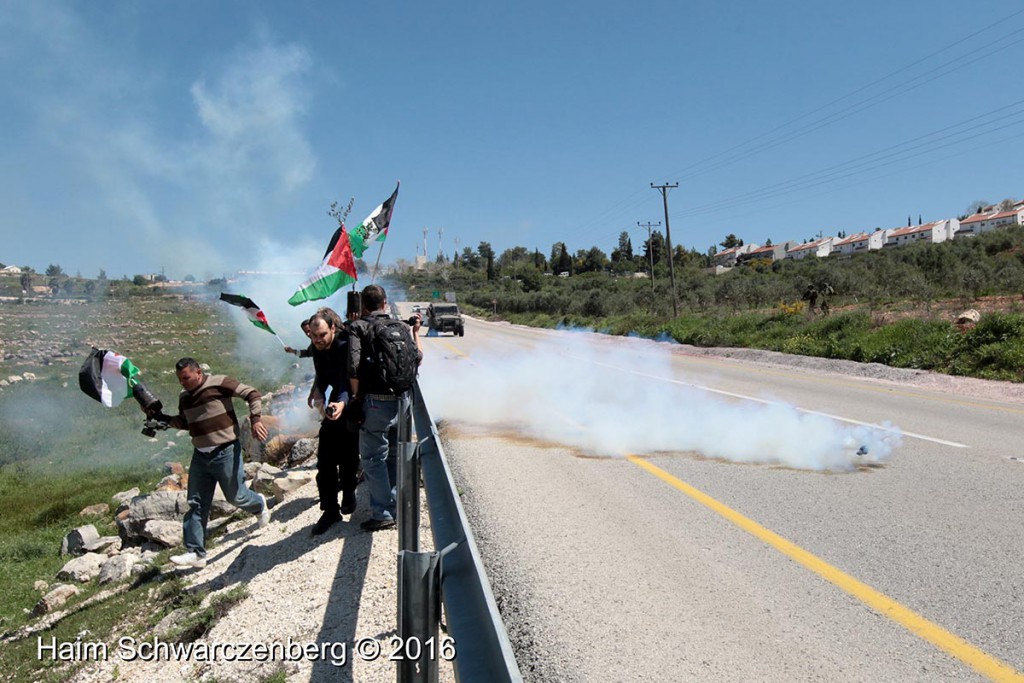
x,y
444,317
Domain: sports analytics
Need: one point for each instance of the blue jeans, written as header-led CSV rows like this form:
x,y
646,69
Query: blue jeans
x,y
381,416
224,467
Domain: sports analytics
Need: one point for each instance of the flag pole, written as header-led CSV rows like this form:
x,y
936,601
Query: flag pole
x,y
379,251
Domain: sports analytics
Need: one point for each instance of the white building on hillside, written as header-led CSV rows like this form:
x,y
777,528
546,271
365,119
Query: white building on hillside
x,y
861,242
11,270
820,248
938,231
728,257
772,252
987,222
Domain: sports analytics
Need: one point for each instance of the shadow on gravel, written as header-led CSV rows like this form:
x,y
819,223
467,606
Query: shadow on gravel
x,y
286,512
339,625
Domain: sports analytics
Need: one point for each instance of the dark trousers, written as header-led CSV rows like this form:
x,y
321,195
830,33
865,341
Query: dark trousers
x,y
337,462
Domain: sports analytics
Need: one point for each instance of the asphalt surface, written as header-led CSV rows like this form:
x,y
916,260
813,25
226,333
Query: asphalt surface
x,y
607,567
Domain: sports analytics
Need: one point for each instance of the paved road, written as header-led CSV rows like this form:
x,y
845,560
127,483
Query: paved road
x,y
616,555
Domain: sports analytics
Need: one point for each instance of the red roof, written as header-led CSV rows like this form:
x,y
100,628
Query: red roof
x,y
978,217
853,238
899,232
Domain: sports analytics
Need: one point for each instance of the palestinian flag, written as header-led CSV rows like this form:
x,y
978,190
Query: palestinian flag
x,y
337,270
256,316
374,227
108,377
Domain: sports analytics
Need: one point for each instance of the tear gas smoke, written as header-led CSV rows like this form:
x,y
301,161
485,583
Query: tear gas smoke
x,y
600,395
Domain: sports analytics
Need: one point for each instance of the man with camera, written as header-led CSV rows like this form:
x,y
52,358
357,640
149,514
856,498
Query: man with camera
x,y
379,403
205,410
337,464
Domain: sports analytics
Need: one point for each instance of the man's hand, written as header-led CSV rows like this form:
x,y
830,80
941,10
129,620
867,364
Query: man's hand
x,y
290,350
333,411
259,431
315,398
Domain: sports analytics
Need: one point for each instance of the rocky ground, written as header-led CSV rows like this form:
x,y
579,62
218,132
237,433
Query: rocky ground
x,y
339,588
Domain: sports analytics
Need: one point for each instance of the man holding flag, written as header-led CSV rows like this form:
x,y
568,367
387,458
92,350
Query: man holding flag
x,y
205,410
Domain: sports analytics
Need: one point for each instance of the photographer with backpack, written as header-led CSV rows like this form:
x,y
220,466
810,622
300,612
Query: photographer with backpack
x,y
384,356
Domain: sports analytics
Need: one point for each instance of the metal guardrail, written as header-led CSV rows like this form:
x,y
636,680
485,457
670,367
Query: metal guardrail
x,y
454,576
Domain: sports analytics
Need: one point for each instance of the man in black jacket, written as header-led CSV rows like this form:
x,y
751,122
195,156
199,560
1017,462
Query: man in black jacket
x,y
338,453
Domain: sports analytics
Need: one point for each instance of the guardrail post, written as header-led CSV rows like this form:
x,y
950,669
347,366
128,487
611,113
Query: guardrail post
x,y
419,613
408,485
408,497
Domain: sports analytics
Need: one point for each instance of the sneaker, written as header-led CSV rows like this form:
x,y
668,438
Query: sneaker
x,y
189,560
264,513
325,522
377,524
348,502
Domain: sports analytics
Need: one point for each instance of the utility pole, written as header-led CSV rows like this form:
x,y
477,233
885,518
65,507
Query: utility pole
x,y
440,247
650,245
456,259
425,252
668,241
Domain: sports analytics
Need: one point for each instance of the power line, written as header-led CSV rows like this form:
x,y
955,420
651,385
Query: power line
x,y
633,200
650,245
789,202
873,83
866,164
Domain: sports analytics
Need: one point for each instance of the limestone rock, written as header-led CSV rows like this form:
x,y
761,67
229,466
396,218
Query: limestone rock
x,y
164,532
125,496
108,545
172,467
282,486
60,594
170,622
160,505
74,543
117,568
303,450
172,482
82,569
95,510
263,482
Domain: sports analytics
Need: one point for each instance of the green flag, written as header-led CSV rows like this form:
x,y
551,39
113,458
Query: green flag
x,y
374,227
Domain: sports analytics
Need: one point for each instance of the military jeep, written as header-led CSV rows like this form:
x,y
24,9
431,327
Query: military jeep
x,y
445,317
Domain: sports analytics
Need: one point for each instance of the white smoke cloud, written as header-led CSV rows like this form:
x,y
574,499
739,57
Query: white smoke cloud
x,y
601,397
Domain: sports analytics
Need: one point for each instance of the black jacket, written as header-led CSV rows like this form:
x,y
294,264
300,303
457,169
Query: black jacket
x,y
331,366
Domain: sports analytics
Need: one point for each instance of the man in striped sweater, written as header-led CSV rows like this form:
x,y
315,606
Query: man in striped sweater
x,y
205,410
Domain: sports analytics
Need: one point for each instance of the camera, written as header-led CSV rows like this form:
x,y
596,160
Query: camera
x,y
411,322
329,410
154,409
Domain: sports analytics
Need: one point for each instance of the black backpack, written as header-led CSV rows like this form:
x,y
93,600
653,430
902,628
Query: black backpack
x,y
395,353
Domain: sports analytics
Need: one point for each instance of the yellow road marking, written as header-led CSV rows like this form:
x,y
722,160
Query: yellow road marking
x,y
980,661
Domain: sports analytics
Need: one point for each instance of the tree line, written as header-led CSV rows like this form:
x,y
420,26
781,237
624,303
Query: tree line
x,y
595,285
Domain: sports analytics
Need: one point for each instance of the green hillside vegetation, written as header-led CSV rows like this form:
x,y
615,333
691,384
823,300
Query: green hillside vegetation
x,y
61,451
894,306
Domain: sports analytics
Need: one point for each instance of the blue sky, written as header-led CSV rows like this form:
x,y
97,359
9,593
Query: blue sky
x,y
205,137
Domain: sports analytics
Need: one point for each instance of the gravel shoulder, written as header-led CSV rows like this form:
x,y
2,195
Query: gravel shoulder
x,y
337,588
923,379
